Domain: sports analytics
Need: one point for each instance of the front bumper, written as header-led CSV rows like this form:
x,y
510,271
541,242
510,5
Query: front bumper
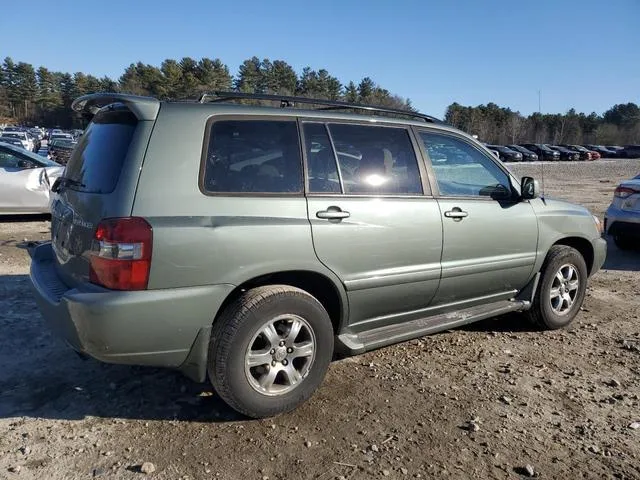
x,y
151,327
599,254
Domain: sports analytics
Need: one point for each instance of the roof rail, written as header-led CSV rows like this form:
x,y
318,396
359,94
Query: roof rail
x,y
144,108
289,101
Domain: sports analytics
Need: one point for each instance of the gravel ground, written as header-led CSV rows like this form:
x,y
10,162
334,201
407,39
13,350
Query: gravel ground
x,y
497,399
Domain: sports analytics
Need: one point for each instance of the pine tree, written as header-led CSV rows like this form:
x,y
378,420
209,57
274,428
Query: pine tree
x,y
365,89
249,76
351,93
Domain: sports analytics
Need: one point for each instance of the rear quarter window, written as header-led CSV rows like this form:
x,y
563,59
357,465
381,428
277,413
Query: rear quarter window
x,y
252,156
97,159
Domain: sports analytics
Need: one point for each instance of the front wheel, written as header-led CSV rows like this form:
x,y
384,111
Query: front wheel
x,y
269,350
561,290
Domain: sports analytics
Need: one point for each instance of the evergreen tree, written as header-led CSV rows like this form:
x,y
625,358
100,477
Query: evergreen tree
x,y
249,79
365,89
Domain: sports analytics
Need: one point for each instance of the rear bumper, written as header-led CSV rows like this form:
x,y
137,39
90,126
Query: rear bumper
x,y
622,222
164,328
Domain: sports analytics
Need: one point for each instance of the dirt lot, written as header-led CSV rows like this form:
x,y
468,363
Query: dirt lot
x,y
486,401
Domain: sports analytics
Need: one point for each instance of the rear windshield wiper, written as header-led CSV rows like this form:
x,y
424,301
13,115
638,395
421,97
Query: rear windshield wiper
x,y
62,182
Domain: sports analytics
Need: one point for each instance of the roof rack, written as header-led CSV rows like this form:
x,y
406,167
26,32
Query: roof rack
x,y
289,101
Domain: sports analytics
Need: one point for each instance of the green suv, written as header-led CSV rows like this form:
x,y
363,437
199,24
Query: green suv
x,y
251,245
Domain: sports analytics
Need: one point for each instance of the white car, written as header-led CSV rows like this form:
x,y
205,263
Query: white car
x,y
622,219
25,181
27,143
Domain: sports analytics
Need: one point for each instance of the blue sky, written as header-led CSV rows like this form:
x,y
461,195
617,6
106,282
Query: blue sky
x,y
579,53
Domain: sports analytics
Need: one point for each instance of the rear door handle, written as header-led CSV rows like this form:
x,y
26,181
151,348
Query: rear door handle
x,y
332,213
456,213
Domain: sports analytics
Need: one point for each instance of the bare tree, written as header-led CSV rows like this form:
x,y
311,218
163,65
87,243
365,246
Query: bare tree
x,y
514,125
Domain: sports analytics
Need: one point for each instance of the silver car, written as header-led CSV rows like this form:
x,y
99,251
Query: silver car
x,y
622,220
25,180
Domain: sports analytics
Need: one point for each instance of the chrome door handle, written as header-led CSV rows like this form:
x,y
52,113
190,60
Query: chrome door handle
x,y
456,214
332,213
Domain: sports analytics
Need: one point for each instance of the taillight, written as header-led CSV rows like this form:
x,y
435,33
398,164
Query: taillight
x,y
121,254
624,192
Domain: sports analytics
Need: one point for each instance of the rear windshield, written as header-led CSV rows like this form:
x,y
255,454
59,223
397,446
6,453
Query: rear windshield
x,y
97,159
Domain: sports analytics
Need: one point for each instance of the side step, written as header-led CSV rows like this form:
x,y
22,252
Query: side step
x,y
387,335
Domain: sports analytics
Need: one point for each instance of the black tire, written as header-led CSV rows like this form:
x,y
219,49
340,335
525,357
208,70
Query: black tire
x,y
623,243
236,328
542,312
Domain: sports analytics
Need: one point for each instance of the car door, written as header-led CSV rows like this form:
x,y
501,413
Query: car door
x,y
22,189
489,236
374,221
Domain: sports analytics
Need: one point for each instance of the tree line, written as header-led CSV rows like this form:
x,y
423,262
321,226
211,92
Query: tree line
x,y
39,96
493,124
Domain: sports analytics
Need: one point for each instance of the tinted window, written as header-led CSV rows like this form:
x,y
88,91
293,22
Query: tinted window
x,y
8,160
462,170
97,159
323,172
260,156
376,160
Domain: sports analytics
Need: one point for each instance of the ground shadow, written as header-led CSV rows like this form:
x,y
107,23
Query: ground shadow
x,y
41,377
623,260
511,322
40,217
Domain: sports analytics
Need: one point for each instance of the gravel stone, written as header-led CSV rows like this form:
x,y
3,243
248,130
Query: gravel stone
x,y
147,468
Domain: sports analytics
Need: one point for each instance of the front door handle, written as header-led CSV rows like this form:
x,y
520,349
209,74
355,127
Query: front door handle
x,y
332,213
456,213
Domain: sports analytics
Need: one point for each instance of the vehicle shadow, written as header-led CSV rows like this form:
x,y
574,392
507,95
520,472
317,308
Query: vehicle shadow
x,y
42,377
40,217
510,322
623,260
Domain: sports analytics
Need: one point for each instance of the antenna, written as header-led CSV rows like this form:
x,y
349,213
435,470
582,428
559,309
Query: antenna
x,y
542,164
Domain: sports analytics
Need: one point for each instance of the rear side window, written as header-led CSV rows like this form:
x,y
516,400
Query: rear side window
x,y
376,160
323,171
253,156
97,159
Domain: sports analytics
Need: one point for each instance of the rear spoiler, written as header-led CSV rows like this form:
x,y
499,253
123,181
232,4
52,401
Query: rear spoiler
x,y
144,108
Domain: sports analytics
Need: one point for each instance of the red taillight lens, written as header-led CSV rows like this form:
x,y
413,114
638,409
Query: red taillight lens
x,y
121,254
624,192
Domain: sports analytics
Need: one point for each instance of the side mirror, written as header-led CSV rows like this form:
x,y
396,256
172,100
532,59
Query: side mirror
x,y
530,188
25,164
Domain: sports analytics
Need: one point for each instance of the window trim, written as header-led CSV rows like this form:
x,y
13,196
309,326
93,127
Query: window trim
x,y
303,144
432,174
424,178
205,146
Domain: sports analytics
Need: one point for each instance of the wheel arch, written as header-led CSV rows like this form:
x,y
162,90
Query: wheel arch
x,y
326,290
583,246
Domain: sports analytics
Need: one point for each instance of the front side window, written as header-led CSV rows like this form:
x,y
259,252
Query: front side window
x,y
253,156
462,170
375,160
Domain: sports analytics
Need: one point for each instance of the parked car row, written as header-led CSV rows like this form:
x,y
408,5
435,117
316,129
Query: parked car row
x,y
530,152
29,138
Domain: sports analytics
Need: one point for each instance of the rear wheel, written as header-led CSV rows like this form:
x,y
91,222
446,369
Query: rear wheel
x,y
269,350
561,290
